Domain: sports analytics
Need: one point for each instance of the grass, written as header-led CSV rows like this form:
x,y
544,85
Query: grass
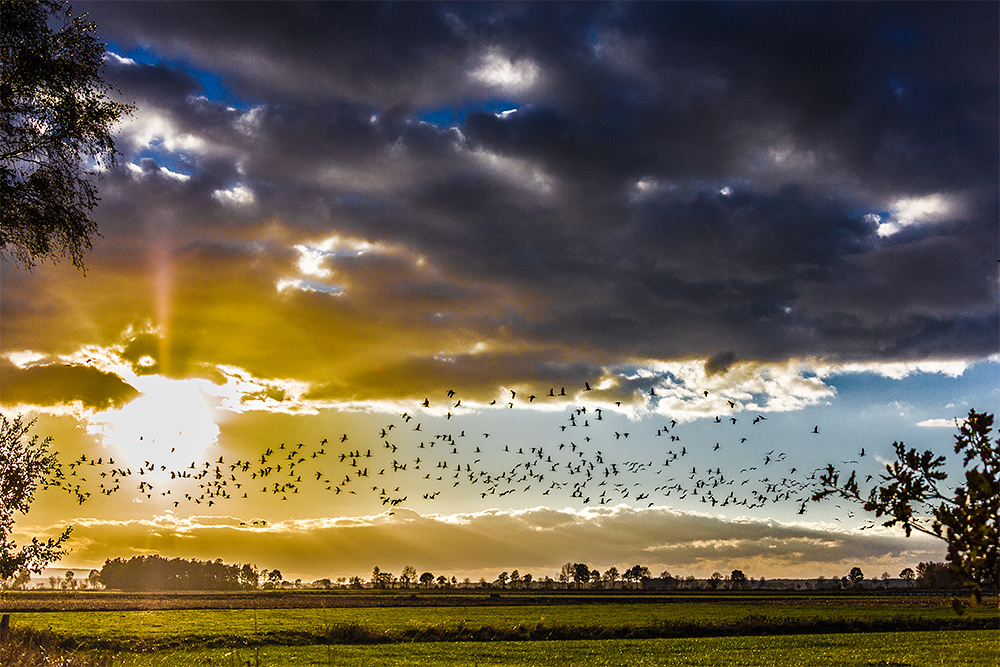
x,y
874,631
27,648
901,649
125,630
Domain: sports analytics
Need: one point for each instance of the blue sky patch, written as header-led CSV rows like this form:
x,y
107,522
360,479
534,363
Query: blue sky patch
x,y
213,87
451,116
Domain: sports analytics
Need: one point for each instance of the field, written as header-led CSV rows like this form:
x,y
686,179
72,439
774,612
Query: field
x,y
944,649
307,628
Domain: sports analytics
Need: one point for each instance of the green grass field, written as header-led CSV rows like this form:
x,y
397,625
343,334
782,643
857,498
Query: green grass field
x,y
214,627
643,630
897,649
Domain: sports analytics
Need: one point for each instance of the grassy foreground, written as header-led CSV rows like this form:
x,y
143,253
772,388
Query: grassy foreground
x,y
899,649
416,630
152,630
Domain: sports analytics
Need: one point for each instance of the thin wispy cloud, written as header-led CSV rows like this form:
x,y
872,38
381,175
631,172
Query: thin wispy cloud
x,y
537,540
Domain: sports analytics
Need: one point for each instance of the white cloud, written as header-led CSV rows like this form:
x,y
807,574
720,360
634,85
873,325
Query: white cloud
x,y
145,129
24,358
317,257
237,195
894,370
644,185
248,123
680,387
242,392
138,172
519,172
308,286
496,69
917,208
311,261
937,423
909,211
121,60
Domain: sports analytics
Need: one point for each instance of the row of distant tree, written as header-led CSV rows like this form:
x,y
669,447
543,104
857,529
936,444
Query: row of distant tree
x,y
69,582
155,573
581,576
577,575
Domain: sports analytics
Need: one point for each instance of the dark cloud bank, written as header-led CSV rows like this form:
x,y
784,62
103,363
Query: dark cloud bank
x,y
679,180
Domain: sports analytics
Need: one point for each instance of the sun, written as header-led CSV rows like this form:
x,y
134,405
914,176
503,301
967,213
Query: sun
x,y
171,422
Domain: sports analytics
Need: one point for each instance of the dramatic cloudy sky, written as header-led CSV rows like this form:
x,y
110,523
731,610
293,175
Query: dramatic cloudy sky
x,y
325,214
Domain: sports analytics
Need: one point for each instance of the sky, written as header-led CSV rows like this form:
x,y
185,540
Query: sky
x,y
478,287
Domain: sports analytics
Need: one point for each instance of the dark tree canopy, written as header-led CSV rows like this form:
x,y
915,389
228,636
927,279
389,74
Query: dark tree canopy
x,y
155,573
913,494
55,130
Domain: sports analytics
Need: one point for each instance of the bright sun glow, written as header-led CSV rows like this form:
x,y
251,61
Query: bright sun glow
x,y
170,421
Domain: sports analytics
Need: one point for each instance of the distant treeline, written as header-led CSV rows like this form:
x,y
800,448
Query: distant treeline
x,y
155,573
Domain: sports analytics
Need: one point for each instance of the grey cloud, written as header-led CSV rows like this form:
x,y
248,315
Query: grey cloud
x,y
811,115
47,384
151,82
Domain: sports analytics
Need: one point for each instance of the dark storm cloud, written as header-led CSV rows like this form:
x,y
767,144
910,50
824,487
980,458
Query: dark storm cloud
x,y
678,179
63,384
479,376
153,83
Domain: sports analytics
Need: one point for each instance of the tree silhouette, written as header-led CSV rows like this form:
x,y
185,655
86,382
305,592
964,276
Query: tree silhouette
x,y
21,580
566,573
55,117
155,573
907,575
737,579
856,576
25,464
913,494
935,575
635,574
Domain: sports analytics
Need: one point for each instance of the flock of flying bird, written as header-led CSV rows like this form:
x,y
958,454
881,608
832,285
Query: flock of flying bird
x,y
403,463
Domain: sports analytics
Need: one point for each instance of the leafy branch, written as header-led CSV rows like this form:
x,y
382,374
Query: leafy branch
x,y
912,494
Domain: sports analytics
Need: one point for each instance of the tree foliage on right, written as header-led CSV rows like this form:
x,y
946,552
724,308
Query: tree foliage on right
x,y
55,130
913,493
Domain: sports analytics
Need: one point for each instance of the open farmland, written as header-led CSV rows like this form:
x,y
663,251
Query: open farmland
x,y
898,649
334,628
